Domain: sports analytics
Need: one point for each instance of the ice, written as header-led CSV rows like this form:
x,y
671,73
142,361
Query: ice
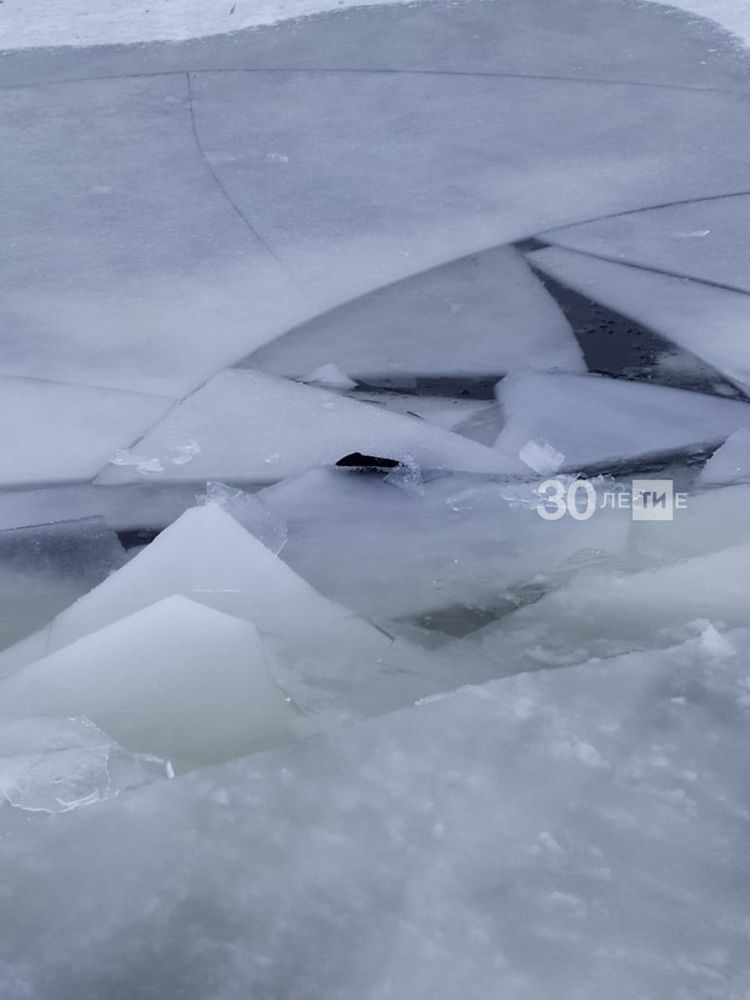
x,y
706,240
578,833
129,268
54,432
46,567
248,511
329,377
259,428
595,421
458,168
177,679
710,322
484,315
459,545
607,611
730,463
57,765
443,411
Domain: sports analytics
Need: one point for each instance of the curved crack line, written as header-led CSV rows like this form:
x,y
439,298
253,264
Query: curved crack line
x,y
635,211
385,71
225,193
680,275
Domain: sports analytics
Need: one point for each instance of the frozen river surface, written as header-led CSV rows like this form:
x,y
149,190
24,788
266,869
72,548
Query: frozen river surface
x,y
305,689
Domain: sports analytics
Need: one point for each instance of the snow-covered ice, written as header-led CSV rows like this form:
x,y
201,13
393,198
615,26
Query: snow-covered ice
x,y
711,322
568,833
730,463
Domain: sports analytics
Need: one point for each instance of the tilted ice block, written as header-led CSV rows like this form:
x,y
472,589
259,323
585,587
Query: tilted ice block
x,y
730,463
594,421
176,679
484,315
706,240
256,427
607,612
53,431
711,322
572,833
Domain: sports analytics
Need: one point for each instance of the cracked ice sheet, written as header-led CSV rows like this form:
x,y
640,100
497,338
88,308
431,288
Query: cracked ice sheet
x,y
393,554
706,240
604,39
711,322
593,421
257,428
129,268
484,315
461,163
54,431
578,832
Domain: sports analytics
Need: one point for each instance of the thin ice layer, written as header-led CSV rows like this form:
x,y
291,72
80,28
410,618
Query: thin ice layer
x,y
53,432
484,315
249,426
711,322
176,679
595,421
730,463
577,832
45,568
706,240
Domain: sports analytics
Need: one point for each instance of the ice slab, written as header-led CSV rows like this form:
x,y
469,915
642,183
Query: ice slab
x,y
710,322
58,765
578,832
45,568
459,544
177,679
595,421
54,432
484,315
442,411
254,427
458,168
730,463
706,240
129,268
607,612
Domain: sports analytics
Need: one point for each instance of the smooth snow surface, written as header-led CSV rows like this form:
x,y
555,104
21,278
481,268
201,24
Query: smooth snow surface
x,y
80,22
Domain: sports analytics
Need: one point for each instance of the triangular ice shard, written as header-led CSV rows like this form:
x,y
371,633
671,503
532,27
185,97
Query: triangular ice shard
x,y
176,679
594,421
246,425
483,315
730,463
711,322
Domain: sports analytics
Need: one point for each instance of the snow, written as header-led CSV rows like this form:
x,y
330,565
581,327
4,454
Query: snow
x,y
484,315
78,22
730,463
580,832
176,679
711,322
593,421
705,240
258,428
89,425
